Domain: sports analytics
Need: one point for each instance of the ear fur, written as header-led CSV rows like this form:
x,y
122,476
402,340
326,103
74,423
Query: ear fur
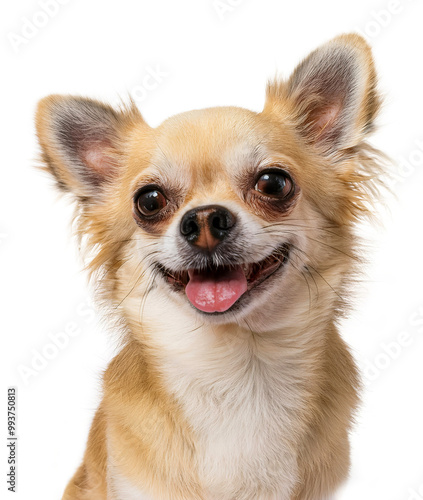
x,y
81,141
331,94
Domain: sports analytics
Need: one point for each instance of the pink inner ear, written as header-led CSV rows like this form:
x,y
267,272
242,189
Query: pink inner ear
x,y
325,118
99,161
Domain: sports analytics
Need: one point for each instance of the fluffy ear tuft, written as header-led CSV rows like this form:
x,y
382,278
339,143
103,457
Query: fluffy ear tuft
x,y
332,94
81,141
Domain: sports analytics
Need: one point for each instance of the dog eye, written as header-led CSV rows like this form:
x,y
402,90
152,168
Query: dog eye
x,y
275,183
149,203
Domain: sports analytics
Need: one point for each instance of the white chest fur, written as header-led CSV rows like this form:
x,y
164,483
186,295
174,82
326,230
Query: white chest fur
x,y
244,423
243,409
243,436
240,393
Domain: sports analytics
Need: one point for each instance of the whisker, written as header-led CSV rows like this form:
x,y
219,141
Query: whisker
x,y
150,287
353,257
308,285
317,272
142,274
289,223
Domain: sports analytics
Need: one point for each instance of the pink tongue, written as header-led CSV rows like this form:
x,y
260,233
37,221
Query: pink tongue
x,y
215,292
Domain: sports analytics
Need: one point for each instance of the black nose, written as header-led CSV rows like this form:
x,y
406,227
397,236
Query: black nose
x,y
205,227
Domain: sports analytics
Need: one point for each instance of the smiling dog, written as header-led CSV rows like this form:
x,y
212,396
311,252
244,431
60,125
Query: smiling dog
x,y
223,241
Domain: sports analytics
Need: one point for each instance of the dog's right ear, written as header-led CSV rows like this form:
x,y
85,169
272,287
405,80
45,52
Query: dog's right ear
x,y
82,142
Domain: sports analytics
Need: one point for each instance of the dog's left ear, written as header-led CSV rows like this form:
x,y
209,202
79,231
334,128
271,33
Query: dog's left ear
x,y
331,95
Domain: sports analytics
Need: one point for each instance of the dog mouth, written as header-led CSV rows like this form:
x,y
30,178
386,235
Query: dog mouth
x,y
216,289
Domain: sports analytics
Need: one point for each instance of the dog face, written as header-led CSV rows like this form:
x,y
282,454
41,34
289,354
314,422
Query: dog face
x,y
224,215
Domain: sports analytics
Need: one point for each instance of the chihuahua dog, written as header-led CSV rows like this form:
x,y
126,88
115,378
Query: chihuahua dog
x,y
223,244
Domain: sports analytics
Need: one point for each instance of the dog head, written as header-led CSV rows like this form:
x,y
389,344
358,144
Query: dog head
x,y
225,214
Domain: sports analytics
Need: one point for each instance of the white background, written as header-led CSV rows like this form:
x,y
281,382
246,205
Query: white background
x,y
105,50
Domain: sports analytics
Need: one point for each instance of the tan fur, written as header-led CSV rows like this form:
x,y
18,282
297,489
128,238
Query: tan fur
x,y
260,405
